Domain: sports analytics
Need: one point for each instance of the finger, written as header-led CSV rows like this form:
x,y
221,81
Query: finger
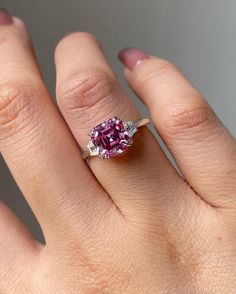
x,y
37,145
18,254
88,94
202,147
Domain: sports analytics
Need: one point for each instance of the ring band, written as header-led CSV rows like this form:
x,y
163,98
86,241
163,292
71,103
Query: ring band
x,y
112,137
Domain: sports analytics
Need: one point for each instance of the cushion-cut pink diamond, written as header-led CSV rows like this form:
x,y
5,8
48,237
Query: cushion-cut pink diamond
x,y
110,138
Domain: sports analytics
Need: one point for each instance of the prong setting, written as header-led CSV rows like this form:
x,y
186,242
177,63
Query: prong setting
x,y
110,138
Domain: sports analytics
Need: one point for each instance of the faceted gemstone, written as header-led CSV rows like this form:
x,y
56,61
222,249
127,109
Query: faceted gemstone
x,y
111,138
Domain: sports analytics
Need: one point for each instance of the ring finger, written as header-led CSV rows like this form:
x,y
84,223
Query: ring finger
x,y
88,94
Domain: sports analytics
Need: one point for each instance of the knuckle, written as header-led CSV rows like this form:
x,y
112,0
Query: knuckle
x,y
74,36
16,106
88,89
163,66
155,69
186,118
14,34
86,272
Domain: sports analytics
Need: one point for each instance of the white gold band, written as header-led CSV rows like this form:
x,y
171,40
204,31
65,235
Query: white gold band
x,y
142,122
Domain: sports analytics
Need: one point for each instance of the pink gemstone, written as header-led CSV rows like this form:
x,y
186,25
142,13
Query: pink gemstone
x,y
110,138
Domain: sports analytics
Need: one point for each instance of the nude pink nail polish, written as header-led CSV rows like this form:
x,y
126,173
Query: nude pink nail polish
x,y
132,57
5,17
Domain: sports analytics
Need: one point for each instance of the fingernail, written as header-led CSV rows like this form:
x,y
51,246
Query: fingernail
x,y
5,17
132,57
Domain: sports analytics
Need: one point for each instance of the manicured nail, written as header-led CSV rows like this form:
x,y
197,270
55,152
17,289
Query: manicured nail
x,y
5,17
132,57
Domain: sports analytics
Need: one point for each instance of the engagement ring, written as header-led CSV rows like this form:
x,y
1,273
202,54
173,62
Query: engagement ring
x,y
112,137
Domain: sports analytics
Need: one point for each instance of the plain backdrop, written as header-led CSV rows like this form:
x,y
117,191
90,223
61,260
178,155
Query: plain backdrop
x,y
199,36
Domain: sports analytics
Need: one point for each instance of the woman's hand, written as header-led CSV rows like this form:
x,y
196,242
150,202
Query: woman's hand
x,y
131,224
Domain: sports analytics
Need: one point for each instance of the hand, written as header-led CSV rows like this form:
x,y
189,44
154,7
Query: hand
x,y
131,224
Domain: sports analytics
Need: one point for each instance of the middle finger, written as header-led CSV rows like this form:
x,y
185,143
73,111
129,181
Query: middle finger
x,y
37,145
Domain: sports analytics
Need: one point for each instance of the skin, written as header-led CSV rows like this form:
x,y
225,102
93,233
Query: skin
x,y
132,224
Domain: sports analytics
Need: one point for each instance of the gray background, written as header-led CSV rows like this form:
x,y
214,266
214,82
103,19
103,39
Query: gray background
x,y
197,35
